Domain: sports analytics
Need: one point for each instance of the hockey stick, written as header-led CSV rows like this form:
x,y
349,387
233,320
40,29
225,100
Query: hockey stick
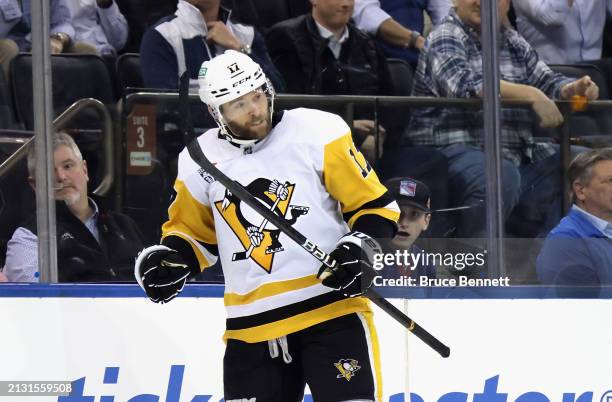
x,y
245,196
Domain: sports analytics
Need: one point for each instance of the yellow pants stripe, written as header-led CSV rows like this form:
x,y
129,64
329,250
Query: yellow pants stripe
x,y
367,320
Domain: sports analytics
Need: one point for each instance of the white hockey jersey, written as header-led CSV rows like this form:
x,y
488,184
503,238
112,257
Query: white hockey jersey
x,y
308,171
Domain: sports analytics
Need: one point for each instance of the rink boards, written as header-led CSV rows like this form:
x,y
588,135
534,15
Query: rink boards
x,y
116,344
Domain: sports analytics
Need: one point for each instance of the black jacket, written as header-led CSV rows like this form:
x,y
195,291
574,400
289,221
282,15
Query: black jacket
x,y
309,67
80,258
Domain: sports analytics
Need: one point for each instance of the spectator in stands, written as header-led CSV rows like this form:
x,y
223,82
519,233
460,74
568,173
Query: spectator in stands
x,y
10,15
62,38
399,23
199,30
563,31
566,32
100,24
450,65
323,53
93,243
15,23
414,200
579,250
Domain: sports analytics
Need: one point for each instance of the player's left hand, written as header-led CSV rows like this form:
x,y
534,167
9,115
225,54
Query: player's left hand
x,y
353,273
161,272
220,34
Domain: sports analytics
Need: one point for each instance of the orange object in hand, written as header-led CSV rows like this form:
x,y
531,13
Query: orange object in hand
x,y
579,103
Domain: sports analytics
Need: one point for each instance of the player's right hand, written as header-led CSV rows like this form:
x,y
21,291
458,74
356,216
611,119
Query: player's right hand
x,y
353,273
161,272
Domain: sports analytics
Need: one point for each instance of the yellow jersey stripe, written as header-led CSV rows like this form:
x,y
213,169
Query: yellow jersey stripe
x,y
298,322
188,215
190,220
344,169
270,289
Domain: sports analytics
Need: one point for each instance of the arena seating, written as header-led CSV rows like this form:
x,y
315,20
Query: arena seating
x,y
147,197
140,14
128,72
74,77
7,111
402,76
16,197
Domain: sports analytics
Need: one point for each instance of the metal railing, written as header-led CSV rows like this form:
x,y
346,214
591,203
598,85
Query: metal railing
x,y
350,102
8,136
60,123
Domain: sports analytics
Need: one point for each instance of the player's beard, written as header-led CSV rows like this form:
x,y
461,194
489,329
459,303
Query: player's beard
x,y
250,132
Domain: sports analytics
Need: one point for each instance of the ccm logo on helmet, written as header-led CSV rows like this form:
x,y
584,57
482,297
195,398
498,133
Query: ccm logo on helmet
x,y
243,80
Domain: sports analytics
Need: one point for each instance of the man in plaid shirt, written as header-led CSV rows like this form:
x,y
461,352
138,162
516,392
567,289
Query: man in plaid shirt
x,y
450,66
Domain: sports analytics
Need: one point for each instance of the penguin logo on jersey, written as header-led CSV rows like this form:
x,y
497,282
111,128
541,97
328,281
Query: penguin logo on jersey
x,y
258,236
347,368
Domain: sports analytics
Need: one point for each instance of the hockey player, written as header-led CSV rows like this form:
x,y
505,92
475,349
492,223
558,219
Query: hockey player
x,y
290,321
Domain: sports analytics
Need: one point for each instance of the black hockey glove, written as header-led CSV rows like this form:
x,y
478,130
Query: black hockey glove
x,y
161,272
353,274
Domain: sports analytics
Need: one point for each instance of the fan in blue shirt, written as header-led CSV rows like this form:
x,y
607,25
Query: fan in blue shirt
x,y
579,250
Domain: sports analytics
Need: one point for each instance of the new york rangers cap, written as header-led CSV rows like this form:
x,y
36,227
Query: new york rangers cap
x,y
410,192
